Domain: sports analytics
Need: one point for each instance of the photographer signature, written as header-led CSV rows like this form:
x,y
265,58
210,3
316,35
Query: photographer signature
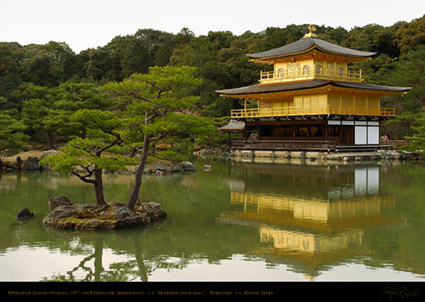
x,y
402,291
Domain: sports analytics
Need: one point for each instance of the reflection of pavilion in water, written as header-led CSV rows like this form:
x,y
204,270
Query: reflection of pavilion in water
x,y
314,231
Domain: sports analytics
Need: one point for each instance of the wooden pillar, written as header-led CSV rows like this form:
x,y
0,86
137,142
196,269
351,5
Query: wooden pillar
x,y
326,131
293,132
245,105
228,143
219,141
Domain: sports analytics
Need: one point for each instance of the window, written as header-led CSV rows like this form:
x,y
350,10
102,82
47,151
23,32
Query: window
x,y
303,132
265,105
306,70
341,71
265,108
316,131
265,132
318,69
282,132
360,135
373,135
280,73
293,69
334,131
331,69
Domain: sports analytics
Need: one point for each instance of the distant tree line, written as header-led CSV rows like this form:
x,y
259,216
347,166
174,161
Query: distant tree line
x,y
41,84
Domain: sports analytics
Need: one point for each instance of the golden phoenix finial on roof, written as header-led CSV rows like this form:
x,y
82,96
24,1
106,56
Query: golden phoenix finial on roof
x,y
312,29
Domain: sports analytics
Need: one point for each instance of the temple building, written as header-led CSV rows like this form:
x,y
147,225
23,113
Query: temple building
x,y
312,100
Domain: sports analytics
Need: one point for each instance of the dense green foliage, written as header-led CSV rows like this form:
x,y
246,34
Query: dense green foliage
x,y
12,137
42,85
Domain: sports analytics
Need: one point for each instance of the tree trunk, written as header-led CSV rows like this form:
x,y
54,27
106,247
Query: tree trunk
x,y
83,132
98,187
138,181
50,140
132,152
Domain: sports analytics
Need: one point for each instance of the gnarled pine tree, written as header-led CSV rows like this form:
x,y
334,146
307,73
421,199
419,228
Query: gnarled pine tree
x,y
155,105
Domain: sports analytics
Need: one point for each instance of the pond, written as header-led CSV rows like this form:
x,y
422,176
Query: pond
x,y
241,221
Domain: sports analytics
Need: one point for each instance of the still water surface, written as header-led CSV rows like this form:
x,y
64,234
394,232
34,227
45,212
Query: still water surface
x,y
238,222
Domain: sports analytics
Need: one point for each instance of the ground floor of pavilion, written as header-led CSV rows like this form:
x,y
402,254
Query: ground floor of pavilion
x,y
326,133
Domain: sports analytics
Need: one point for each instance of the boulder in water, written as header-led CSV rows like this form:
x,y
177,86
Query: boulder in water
x,y
24,213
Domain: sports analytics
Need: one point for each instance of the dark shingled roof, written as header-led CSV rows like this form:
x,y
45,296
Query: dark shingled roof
x,y
308,43
280,87
370,86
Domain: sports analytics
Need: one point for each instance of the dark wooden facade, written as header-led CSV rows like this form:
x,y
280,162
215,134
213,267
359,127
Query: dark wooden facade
x,y
319,134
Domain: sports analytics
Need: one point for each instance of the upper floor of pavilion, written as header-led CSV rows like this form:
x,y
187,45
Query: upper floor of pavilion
x,y
312,77
310,58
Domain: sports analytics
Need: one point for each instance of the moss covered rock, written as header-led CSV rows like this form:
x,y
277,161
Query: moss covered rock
x,y
112,216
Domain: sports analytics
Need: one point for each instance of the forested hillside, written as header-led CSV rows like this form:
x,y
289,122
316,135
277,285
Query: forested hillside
x,y
36,79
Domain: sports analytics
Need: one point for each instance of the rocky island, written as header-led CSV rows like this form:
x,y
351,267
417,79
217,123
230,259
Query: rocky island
x,y
66,215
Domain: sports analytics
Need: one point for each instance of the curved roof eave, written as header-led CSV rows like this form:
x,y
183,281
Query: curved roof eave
x,y
307,44
267,88
270,88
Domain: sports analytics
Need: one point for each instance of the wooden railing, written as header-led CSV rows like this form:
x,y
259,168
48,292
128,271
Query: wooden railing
x,y
309,73
363,111
304,145
293,111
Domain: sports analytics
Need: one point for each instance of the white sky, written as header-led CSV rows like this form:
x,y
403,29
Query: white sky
x,y
84,24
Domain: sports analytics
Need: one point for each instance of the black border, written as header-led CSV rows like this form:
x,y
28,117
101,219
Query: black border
x,y
368,291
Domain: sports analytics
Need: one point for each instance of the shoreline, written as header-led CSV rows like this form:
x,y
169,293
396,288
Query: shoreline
x,y
29,160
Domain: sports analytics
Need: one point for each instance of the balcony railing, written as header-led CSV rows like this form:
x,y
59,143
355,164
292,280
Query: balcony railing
x,y
310,72
292,111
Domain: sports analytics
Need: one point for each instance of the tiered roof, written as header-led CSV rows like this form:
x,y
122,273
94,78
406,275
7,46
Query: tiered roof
x,y
300,85
308,44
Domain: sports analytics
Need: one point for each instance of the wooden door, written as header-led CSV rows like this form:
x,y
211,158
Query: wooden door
x,y
347,135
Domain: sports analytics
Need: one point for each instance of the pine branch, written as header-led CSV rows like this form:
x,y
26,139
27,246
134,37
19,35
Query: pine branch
x,y
84,178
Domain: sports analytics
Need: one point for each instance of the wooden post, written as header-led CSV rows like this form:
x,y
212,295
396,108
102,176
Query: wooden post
x,y
326,131
245,105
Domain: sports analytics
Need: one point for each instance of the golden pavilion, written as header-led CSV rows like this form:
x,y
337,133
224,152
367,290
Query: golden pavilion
x,y
312,100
